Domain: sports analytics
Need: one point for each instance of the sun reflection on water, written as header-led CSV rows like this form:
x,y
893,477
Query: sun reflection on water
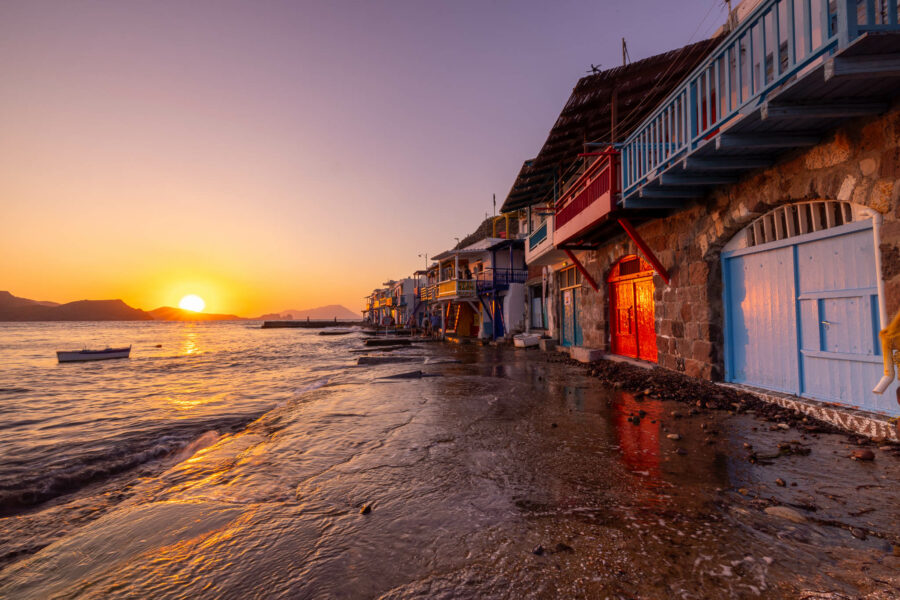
x,y
189,346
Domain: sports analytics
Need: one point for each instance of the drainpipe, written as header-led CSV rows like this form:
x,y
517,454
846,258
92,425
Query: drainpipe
x,y
882,305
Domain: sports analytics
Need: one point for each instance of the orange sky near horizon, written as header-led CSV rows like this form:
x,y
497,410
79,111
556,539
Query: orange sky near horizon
x,y
281,155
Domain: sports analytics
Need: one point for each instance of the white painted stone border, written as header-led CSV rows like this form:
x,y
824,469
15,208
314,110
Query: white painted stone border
x,y
849,419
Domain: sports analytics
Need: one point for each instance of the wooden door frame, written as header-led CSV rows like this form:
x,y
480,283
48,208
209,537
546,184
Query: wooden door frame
x,y
646,271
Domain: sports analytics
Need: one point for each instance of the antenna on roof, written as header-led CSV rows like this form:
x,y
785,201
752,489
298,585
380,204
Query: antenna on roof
x,y
625,56
731,22
595,69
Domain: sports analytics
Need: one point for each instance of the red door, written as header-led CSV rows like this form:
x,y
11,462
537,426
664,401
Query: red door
x,y
632,321
624,336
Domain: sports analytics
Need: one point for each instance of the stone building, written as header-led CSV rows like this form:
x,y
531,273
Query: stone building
x,y
747,226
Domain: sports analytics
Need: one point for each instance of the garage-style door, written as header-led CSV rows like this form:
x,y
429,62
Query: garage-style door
x,y
801,305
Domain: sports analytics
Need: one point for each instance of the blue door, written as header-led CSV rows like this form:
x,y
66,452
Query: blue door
x,y
802,317
571,328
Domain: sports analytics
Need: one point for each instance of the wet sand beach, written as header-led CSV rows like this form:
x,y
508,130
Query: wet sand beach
x,y
504,474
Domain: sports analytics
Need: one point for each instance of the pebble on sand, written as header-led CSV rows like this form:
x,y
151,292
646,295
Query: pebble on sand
x,y
780,482
785,513
862,455
538,550
366,509
674,436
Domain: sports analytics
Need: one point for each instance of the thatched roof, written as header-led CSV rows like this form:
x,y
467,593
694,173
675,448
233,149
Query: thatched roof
x,y
587,116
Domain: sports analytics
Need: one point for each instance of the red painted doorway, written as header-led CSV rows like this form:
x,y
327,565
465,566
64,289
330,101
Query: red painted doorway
x,y
631,318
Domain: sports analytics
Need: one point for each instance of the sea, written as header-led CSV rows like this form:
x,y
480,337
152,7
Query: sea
x,y
68,425
222,460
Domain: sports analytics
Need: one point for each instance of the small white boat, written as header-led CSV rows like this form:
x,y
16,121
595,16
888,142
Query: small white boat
x,y
82,355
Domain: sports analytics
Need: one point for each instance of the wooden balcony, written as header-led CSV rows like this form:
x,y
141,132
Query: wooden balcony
x,y
426,292
491,280
587,201
456,288
789,72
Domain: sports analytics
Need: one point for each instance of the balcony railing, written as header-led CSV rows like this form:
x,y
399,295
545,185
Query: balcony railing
x,y
499,278
772,45
456,287
427,292
537,236
589,198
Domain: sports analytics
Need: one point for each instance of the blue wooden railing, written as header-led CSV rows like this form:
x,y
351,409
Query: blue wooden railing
x,y
538,236
774,43
500,278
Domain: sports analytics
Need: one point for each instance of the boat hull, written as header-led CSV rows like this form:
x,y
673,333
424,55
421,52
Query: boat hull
x,y
87,355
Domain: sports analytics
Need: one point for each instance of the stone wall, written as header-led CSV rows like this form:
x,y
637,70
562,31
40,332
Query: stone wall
x,y
859,163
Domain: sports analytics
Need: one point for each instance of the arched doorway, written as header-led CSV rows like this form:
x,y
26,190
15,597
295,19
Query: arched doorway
x,y
802,304
632,319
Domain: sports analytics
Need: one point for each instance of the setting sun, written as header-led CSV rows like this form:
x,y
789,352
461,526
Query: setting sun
x,y
192,302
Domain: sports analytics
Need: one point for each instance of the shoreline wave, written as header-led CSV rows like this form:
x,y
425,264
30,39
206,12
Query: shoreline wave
x,y
22,494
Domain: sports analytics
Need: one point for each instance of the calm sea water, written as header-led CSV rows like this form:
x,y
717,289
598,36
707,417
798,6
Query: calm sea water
x,y
64,426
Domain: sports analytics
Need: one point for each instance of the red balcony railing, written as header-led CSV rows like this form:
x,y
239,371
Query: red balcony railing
x,y
584,198
597,184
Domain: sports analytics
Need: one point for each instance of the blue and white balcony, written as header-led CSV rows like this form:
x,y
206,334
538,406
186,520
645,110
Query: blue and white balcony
x,y
495,280
786,75
539,247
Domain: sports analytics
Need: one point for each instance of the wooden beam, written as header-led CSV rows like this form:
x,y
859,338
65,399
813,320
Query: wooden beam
x,y
661,203
682,192
645,250
582,270
577,247
667,179
725,163
820,111
765,140
862,67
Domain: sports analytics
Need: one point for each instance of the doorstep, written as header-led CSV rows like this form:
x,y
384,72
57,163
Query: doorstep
x,y
869,424
631,361
585,355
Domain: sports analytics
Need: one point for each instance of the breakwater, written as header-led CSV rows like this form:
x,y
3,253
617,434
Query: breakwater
x,y
319,324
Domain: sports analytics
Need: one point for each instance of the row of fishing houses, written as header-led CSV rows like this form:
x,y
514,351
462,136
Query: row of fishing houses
x,y
473,291
729,209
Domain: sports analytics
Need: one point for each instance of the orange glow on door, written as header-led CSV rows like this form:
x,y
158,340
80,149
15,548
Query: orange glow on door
x,y
632,318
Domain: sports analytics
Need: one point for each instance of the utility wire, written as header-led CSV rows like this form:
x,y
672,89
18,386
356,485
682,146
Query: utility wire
x,y
667,75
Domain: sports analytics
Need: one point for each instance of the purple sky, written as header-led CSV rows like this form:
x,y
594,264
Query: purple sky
x,y
276,155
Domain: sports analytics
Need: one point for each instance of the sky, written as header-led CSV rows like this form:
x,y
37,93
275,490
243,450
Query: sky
x,y
271,155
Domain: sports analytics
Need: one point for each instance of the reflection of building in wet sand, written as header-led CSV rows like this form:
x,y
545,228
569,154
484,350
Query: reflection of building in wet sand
x,y
638,439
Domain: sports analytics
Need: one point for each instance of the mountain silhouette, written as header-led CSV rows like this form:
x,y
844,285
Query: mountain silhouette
x,y
170,313
13,308
321,313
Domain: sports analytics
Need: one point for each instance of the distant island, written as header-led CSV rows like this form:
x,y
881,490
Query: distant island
x,y
14,308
